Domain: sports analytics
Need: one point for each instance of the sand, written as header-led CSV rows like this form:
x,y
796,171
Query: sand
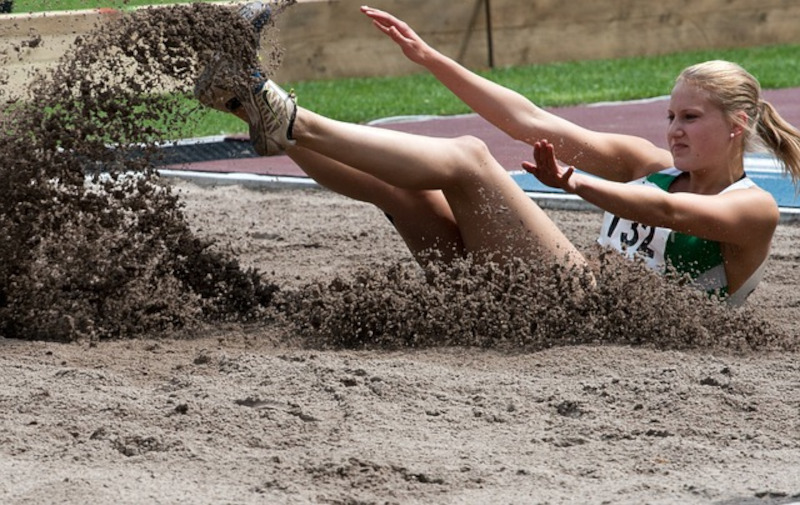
x,y
247,414
226,345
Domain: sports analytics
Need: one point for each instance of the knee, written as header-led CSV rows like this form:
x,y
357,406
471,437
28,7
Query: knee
x,y
474,160
472,148
470,155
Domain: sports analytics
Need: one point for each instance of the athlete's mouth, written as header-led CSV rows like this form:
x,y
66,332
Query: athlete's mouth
x,y
678,147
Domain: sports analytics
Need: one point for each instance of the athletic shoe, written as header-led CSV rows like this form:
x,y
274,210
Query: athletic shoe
x,y
271,112
213,87
258,13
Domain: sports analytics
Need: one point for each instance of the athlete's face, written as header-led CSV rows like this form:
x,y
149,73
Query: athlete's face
x,y
699,133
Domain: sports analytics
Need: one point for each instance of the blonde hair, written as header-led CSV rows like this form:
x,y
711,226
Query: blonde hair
x,y
735,90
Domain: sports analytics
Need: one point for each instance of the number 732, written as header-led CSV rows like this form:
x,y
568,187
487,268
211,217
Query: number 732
x,y
637,232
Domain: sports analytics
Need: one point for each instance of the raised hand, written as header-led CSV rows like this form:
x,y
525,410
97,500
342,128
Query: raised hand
x,y
547,169
413,47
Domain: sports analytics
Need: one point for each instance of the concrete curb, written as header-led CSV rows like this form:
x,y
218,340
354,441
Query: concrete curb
x,y
552,201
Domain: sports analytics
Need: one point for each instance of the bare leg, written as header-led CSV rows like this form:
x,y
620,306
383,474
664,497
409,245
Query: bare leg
x,y
422,218
493,214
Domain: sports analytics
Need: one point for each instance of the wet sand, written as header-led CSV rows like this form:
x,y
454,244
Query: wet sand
x,y
245,413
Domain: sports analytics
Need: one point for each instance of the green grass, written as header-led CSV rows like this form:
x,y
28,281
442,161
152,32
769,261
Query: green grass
x,y
60,5
550,85
558,84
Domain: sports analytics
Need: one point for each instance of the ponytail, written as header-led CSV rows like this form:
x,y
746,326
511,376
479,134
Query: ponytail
x,y
781,138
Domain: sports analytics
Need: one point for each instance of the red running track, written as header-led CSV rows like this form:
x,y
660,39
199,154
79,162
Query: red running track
x,y
646,119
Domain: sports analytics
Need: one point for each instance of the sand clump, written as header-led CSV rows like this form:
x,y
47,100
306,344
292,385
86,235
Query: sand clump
x,y
319,363
521,307
248,413
114,257
94,245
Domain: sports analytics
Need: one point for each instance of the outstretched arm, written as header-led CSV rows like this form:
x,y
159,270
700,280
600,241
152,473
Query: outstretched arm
x,y
611,156
744,218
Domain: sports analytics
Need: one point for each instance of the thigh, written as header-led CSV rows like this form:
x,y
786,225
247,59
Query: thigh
x,y
426,224
423,218
496,218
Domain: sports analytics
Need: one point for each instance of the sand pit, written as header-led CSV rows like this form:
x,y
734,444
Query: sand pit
x,y
226,345
247,414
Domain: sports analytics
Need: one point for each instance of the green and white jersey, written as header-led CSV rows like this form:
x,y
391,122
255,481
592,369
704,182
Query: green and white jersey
x,y
701,259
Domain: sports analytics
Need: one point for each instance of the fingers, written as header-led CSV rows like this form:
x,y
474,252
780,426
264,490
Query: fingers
x,y
529,167
540,157
377,13
413,47
391,32
568,173
545,167
381,20
544,154
384,20
380,26
380,16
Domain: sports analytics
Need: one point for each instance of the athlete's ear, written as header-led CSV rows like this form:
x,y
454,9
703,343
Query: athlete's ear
x,y
738,124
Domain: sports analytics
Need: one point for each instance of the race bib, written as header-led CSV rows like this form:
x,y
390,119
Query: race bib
x,y
635,239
